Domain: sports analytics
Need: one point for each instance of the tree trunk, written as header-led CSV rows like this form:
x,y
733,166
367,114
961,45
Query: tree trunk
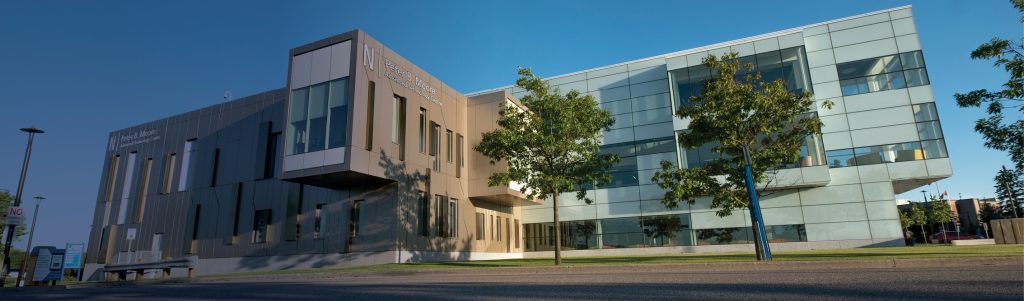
x,y
924,234
558,229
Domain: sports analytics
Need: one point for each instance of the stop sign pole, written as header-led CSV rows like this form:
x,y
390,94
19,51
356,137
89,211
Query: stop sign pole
x,y
32,131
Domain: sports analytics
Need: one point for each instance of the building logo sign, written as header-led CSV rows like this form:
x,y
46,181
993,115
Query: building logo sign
x,y
134,138
401,76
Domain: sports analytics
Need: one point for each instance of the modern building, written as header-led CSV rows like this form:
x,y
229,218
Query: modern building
x,y
364,158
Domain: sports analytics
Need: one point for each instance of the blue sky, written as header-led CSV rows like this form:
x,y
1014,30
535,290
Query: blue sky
x,y
80,69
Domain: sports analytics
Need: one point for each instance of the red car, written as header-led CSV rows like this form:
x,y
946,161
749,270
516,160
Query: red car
x,y
951,235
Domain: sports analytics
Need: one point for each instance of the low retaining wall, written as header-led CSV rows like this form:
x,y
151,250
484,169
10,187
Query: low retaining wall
x,y
786,246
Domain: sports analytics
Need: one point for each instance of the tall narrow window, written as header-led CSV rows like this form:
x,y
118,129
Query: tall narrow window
x,y
261,226
517,233
370,95
216,167
185,164
354,218
167,176
317,134
320,222
439,216
448,145
238,212
492,227
480,226
126,188
143,189
297,135
435,133
423,130
453,217
459,160
194,245
424,214
398,125
293,214
111,177
497,228
337,104
273,151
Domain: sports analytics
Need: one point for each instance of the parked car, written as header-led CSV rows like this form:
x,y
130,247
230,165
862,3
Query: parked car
x,y
952,235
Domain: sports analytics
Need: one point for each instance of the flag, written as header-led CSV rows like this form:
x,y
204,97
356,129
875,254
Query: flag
x,y
943,195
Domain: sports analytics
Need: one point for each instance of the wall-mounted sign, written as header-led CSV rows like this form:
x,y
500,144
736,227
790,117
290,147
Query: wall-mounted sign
x,y
133,138
130,234
401,75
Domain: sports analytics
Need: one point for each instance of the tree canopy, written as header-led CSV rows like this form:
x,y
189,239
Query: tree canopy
x,y
552,145
736,112
1001,133
1009,185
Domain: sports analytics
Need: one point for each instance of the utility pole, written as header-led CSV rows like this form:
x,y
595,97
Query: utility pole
x,y
32,131
1009,190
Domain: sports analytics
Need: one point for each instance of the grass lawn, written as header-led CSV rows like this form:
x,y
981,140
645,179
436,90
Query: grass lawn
x,y
920,251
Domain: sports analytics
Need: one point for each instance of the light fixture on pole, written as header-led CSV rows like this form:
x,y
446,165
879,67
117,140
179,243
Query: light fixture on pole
x,y
32,131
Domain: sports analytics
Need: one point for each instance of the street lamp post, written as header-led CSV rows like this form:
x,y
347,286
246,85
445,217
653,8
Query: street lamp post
x,y
32,131
924,193
28,249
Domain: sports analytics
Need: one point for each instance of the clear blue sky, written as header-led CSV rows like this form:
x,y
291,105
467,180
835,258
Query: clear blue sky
x,y
80,69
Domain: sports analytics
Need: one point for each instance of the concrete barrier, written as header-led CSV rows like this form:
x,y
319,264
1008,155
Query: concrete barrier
x,y
1008,231
974,242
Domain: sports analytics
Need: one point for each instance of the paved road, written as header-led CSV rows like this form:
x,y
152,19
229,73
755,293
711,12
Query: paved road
x,y
987,281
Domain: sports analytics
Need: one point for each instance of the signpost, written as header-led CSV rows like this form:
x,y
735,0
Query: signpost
x,y
73,258
130,236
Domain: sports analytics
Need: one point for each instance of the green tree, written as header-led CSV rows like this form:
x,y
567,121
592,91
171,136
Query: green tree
x,y
1010,190
904,220
987,214
999,133
917,217
737,111
551,146
939,212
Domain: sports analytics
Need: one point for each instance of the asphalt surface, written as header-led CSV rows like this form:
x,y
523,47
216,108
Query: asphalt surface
x,y
969,280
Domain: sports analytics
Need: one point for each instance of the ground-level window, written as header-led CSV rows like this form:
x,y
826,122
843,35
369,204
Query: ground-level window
x,y
261,226
480,226
320,221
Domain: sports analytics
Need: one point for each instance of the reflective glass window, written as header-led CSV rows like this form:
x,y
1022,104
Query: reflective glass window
x,y
655,146
317,135
724,236
934,149
786,233
869,155
794,70
770,66
909,151
338,110
912,60
840,158
929,130
667,230
297,122
925,112
868,67
916,77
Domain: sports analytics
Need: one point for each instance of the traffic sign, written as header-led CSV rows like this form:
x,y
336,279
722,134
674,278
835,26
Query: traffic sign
x,y
15,216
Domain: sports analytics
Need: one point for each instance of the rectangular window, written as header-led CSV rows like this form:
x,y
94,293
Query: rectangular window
x,y
882,73
929,130
143,189
273,151
126,188
460,161
492,227
424,214
925,112
261,226
354,218
337,113
423,130
480,226
194,245
320,222
439,215
293,213
186,164
168,174
934,149
370,95
435,133
448,145
111,177
216,167
297,135
316,136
